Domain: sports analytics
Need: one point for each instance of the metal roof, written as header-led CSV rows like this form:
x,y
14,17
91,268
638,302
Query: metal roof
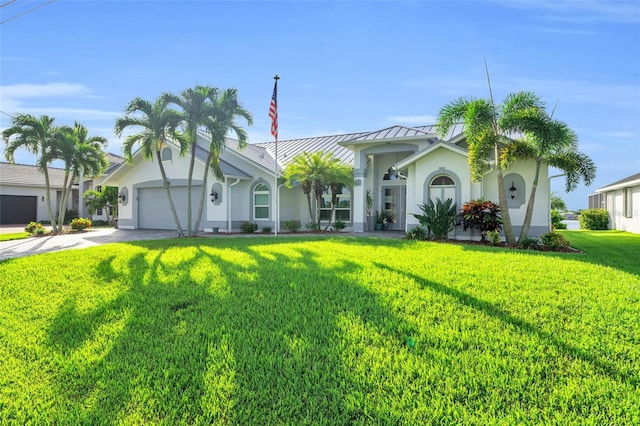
x,y
26,175
393,132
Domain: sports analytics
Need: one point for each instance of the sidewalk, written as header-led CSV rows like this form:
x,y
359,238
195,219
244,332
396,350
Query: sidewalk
x,y
97,236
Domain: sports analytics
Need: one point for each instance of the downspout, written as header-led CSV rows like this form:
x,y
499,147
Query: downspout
x,y
229,204
492,168
549,200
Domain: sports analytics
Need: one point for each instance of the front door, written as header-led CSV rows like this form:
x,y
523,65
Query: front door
x,y
394,205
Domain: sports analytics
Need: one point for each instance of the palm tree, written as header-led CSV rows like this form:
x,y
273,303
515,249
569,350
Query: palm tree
x,y
315,172
197,111
106,198
158,124
225,109
81,154
36,135
487,127
551,142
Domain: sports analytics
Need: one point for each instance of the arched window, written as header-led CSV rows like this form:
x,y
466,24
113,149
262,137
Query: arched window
x,y
442,187
166,154
261,201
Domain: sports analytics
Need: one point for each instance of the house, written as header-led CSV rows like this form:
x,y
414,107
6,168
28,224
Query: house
x,y
622,200
23,192
402,167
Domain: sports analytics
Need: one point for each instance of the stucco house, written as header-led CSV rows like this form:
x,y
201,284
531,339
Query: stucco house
x,y
401,167
622,200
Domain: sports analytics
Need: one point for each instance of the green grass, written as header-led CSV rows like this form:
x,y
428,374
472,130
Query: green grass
x,y
322,331
14,236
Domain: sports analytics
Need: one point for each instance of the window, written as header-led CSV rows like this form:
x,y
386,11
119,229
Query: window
x,y
99,212
261,201
342,207
628,206
442,180
442,187
166,154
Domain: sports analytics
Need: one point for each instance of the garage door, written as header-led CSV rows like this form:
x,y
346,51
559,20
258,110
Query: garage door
x,y
18,209
154,211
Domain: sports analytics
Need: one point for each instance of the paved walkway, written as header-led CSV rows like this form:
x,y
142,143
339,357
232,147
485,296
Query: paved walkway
x,y
97,236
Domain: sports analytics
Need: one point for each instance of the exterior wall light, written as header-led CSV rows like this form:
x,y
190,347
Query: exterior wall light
x,y
214,196
512,191
122,197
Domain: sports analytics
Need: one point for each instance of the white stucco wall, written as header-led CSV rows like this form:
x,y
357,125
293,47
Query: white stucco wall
x,y
615,207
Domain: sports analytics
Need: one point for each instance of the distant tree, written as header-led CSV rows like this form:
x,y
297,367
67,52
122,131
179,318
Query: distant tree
x,y
158,124
557,203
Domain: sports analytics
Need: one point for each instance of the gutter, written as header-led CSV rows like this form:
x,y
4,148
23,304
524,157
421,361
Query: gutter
x,y
229,204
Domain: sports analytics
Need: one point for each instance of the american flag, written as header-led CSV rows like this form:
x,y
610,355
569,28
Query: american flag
x,y
273,111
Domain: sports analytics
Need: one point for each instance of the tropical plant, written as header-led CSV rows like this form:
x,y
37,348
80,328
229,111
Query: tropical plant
x,y
438,217
493,237
556,220
549,141
487,128
158,124
418,232
380,217
316,172
482,215
106,198
266,229
34,228
529,243
594,219
37,135
248,227
369,202
339,225
554,241
80,224
292,225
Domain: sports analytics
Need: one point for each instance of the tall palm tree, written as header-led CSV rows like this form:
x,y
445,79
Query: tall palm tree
x,y
487,128
36,135
158,123
197,111
551,142
225,109
81,154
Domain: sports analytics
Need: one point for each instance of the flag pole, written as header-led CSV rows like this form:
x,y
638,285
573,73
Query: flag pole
x,y
273,114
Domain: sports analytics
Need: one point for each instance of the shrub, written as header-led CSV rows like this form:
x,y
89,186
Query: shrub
x,y
292,225
33,227
311,226
438,217
528,243
100,222
594,219
482,215
248,227
556,220
70,215
555,241
561,226
493,237
81,223
339,225
266,229
417,233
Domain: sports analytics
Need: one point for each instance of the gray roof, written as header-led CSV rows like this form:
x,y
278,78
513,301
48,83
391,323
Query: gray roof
x,y
393,132
26,175
228,169
621,183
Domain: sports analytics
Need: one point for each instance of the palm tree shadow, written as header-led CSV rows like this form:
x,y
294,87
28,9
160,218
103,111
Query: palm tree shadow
x,y
493,311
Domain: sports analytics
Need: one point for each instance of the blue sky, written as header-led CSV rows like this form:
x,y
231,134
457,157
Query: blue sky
x,y
344,66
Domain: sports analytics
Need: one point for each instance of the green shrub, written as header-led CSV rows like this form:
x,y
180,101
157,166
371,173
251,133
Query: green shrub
x,y
482,215
493,237
417,233
556,220
81,223
339,225
70,215
594,219
438,217
528,243
561,226
100,222
266,229
292,225
555,241
311,226
33,227
248,227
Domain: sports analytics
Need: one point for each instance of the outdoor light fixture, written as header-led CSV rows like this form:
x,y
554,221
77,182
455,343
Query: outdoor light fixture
x,y
214,196
122,197
512,191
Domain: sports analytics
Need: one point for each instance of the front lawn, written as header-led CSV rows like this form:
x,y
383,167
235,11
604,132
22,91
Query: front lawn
x,y
322,331
14,236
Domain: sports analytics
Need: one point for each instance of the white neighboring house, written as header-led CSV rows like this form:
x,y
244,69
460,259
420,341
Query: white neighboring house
x,y
402,167
23,193
622,200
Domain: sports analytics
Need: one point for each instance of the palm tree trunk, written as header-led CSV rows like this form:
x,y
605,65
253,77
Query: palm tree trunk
x,y
504,207
532,198
48,198
203,195
189,180
62,208
165,181
334,198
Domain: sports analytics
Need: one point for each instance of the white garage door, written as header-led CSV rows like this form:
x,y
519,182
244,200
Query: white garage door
x,y
154,211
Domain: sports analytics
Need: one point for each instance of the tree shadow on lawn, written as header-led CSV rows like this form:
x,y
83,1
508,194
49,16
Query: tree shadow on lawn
x,y
217,337
493,311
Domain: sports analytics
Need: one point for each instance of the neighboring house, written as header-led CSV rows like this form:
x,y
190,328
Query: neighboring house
x,y
23,193
402,167
622,200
